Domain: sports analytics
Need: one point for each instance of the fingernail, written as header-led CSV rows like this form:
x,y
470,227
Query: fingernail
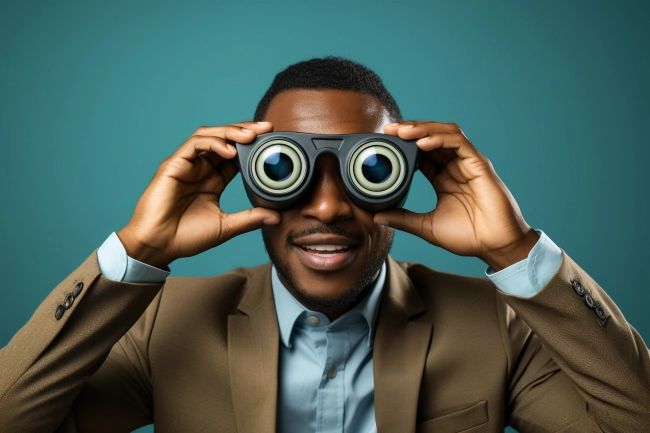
x,y
406,127
270,221
391,124
231,147
246,130
264,123
382,223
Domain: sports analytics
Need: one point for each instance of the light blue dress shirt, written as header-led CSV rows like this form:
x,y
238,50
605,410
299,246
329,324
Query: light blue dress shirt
x,y
325,369
325,376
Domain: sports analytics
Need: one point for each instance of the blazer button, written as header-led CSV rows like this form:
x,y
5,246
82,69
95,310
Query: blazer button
x,y
69,300
589,301
59,312
77,289
578,287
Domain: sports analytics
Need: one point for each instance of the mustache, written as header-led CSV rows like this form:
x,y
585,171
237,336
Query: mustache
x,y
323,229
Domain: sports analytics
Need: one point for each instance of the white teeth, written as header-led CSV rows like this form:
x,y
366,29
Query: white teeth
x,y
326,254
326,250
326,247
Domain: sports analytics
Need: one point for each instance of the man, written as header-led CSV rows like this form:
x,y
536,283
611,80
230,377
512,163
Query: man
x,y
336,335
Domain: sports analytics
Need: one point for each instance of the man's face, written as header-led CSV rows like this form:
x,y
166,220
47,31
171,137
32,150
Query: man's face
x,y
327,281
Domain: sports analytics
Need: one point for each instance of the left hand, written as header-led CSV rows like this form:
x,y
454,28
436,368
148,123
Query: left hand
x,y
476,215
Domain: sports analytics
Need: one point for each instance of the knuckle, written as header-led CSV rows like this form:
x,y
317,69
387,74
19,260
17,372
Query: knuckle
x,y
200,130
172,164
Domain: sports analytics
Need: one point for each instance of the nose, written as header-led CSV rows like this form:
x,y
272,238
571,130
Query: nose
x,y
327,199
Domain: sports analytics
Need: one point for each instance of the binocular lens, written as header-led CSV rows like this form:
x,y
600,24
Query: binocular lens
x,y
377,169
278,167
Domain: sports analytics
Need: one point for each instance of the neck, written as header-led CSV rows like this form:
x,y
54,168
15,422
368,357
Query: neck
x,y
333,312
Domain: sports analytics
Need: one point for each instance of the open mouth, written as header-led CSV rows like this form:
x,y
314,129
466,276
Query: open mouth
x,y
325,250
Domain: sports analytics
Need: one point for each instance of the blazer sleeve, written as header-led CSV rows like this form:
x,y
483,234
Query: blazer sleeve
x,y
583,367
51,368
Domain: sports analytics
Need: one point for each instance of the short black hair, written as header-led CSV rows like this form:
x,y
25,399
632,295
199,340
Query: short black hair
x,y
329,73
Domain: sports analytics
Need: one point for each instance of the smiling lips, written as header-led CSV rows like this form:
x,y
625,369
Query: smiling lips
x,y
326,252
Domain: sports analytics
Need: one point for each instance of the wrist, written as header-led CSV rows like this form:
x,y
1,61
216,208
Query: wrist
x,y
142,252
513,252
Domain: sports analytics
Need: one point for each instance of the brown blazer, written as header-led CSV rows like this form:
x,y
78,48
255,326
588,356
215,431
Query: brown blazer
x,y
451,354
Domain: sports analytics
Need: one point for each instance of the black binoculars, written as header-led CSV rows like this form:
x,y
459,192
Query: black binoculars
x,y
376,169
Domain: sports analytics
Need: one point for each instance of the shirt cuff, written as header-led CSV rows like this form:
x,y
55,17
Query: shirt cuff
x,y
527,277
116,265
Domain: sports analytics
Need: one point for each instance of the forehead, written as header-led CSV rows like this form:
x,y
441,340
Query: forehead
x,y
326,112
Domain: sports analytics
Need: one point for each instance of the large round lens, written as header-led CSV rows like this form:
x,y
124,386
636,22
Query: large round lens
x,y
377,168
278,166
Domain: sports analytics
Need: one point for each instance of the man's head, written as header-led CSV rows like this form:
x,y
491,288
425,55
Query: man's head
x,y
327,96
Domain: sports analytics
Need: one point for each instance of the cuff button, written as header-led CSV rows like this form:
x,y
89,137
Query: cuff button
x,y
77,289
59,312
589,301
578,287
69,300
600,312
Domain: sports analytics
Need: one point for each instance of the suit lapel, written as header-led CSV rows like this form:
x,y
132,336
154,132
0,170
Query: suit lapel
x,y
253,345
400,350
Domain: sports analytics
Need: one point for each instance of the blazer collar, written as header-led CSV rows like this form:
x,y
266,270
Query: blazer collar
x,y
253,347
401,347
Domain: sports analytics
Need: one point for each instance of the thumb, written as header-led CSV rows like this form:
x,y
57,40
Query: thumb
x,y
402,219
245,221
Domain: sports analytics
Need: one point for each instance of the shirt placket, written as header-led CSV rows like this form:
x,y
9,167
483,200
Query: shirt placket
x,y
331,390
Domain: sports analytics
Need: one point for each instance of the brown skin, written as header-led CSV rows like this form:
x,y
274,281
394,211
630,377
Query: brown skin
x,y
179,214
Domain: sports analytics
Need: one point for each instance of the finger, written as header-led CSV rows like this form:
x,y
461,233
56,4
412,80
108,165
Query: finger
x,y
457,142
403,219
197,144
258,127
414,129
419,130
228,170
392,128
248,220
440,157
244,132
429,169
186,171
214,159
217,180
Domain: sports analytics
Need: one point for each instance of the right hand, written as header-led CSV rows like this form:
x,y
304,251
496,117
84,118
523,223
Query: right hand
x,y
179,215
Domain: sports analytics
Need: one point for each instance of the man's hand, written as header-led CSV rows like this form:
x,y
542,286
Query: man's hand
x,y
179,215
476,215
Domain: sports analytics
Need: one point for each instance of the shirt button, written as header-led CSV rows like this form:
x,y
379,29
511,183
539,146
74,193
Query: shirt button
x,y
313,320
332,373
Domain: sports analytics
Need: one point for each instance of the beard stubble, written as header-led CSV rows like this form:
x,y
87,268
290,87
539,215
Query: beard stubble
x,y
350,296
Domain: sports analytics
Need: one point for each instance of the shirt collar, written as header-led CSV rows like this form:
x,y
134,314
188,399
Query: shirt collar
x,y
288,308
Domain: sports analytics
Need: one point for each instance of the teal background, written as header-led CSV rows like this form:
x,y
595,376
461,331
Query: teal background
x,y
93,96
